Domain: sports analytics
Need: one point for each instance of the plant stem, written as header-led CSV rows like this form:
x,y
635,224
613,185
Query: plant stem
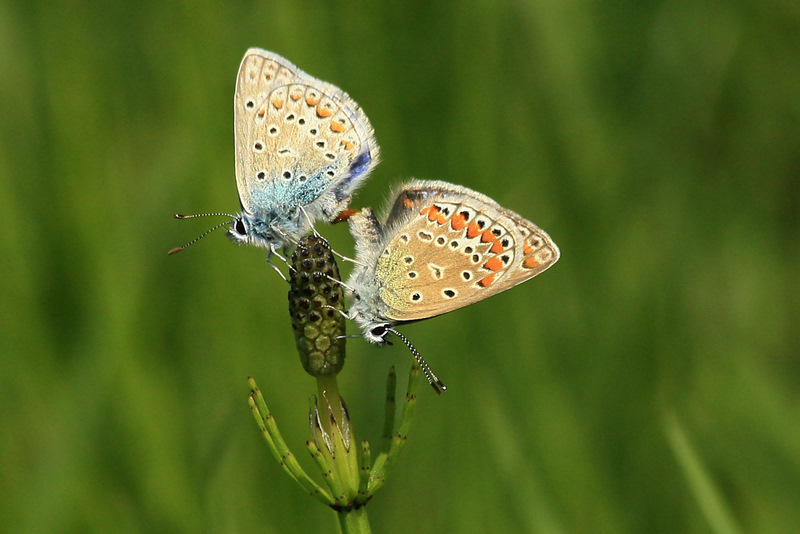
x,y
354,521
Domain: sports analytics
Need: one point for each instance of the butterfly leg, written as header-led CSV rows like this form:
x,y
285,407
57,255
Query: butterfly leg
x,y
345,258
332,279
340,312
319,236
272,252
346,316
277,270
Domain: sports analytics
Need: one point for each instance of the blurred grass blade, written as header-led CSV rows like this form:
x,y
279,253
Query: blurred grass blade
x,y
709,498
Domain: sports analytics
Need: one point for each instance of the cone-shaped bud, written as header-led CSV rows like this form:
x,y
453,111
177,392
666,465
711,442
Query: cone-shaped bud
x,y
315,303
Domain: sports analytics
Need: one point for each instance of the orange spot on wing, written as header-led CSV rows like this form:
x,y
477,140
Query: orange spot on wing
x,y
458,222
487,281
261,113
277,103
433,213
497,248
527,248
473,229
311,101
337,126
494,264
323,112
407,203
488,237
425,211
348,145
530,262
295,96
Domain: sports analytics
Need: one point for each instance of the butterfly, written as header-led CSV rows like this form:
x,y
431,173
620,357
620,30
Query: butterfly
x,y
441,247
302,148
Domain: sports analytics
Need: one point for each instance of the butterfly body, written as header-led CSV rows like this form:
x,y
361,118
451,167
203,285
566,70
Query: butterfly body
x,y
303,147
440,248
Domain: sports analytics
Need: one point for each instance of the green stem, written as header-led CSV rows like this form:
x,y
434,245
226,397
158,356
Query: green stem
x,y
354,521
328,391
344,463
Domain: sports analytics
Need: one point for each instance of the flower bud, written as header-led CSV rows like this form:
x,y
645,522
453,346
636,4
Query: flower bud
x,y
316,306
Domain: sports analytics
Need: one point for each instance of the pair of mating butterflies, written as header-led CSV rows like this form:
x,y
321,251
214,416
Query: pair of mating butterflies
x,y
303,147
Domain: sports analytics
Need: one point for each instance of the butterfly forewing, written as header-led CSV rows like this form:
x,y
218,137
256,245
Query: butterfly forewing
x,y
259,74
295,135
451,247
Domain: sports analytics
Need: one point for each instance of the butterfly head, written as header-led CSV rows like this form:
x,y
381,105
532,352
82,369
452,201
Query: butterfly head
x,y
373,328
239,231
377,333
243,229
247,230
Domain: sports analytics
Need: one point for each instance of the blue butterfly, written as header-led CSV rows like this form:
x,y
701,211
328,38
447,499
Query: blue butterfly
x,y
303,147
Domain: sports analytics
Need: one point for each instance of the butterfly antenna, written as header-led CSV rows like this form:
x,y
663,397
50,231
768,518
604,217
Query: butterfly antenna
x,y
437,385
194,216
201,236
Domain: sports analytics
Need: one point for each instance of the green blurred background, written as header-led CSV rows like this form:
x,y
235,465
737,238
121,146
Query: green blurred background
x,y
649,382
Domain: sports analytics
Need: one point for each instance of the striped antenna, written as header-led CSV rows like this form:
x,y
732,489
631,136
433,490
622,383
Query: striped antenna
x,y
201,236
433,380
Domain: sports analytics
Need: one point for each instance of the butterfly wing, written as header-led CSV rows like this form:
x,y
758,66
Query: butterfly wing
x,y
448,246
296,137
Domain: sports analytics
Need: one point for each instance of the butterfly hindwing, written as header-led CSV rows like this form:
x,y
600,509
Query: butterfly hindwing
x,y
446,247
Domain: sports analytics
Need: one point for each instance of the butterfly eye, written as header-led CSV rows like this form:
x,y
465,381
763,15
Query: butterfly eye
x,y
239,227
379,331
